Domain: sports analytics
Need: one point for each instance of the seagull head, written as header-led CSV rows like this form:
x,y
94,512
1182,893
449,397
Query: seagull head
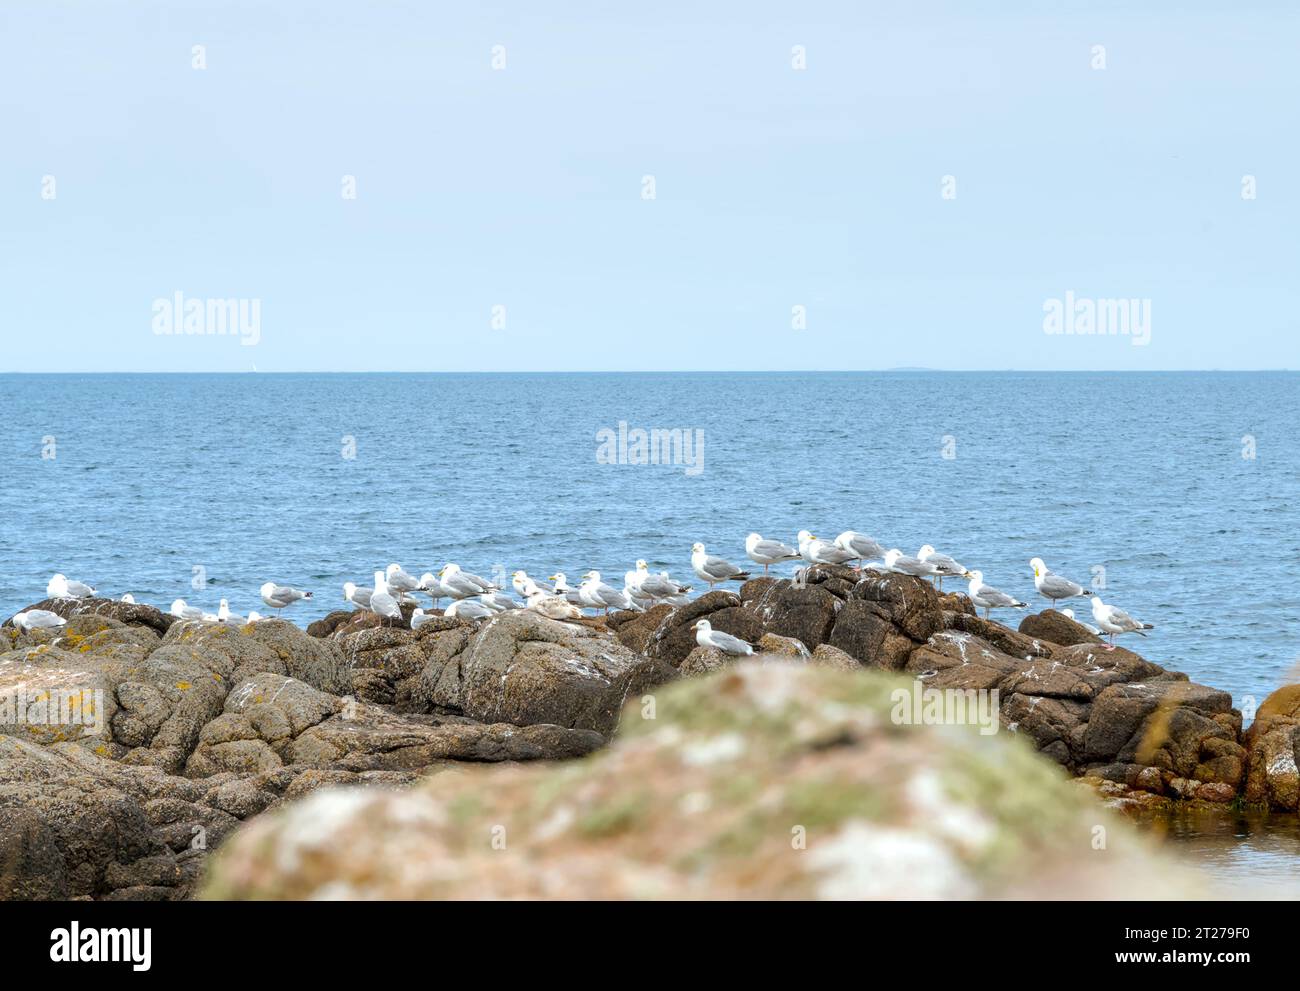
x,y
393,569
450,568
803,537
129,599
267,588
349,589
417,612
641,565
891,556
592,575
976,577
57,587
1068,613
1039,567
178,607
925,552
697,548
702,624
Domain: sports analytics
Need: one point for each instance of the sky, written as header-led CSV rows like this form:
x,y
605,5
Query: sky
x,y
502,220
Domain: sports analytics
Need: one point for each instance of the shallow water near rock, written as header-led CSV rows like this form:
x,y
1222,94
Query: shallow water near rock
x,y
160,482
1245,854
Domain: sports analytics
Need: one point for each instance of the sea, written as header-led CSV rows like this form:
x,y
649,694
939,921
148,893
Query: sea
x,y
1175,496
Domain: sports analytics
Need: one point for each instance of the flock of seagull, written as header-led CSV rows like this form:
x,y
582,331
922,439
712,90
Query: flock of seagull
x,y
474,597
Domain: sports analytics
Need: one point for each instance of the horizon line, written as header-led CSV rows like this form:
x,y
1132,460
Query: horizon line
x,y
690,371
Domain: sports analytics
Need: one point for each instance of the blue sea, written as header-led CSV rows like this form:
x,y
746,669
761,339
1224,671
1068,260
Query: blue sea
x,y
248,478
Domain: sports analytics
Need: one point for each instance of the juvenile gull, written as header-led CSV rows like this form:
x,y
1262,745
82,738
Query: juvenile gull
x,y
553,606
38,619
714,570
1054,587
1115,620
862,547
987,597
279,596
381,602
60,587
900,563
707,636
768,552
817,551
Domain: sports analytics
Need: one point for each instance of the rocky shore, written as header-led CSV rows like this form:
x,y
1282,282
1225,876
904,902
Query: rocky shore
x,y
349,760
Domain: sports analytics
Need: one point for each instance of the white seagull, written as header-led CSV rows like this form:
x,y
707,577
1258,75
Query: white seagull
x,y
381,602
1054,587
60,587
943,564
461,584
357,596
714,570
420,617
987,597
224,615
38,619
900,563
181,610
814,550
862,547
768,552
595,594
469,609
128,598
661,588
1115,620
399,581
279,596
707,636
563,590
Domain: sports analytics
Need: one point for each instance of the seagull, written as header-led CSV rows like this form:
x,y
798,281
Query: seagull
x,y
768,552
1115,620
1069,614
553,606
987,597
381,602
562,588
61,588
254,616
279,596
399,581
899,563
597,595
1054,587
461,584
816,551
38,619
469,609
714,569
707,636
862,547
128,598
357,596
661,588
431,587
224,615
942,562
632,579
524,585
420,617
498,601
181,610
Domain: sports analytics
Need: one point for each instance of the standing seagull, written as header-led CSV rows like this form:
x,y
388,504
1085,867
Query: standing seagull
x,y
400,581
714,570
564,590
1115,620
279,596
181,610
899,563
944,565
707,636
1054,587
817,551
357,596
862,547
61,588
987,597
381,602
224,615
768,552
461,584
596,594
38,619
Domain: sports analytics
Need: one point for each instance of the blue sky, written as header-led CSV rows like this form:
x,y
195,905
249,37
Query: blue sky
x,y
522,187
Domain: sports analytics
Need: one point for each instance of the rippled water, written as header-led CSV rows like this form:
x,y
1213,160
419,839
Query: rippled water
x,y
1245,855
244,476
